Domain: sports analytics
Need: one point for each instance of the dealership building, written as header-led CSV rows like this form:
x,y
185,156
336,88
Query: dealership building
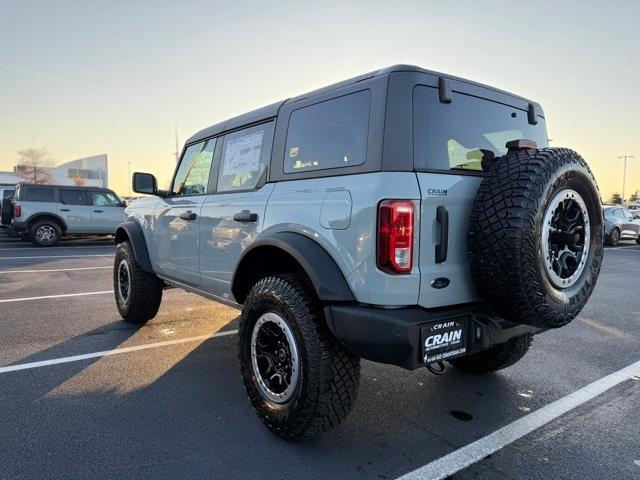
x,y
89,171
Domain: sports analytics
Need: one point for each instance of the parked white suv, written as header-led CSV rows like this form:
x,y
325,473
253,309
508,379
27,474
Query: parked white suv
x,y
46,213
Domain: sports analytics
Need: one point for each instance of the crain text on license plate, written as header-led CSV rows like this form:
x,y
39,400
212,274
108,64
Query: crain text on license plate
x,y
444,340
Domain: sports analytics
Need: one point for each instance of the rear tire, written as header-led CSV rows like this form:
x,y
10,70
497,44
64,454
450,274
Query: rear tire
x,y
495,358
45,233
536,236
138,293
321,377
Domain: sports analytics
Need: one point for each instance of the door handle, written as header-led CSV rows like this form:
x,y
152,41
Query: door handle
x,y
98,211
442,217
65,210
245,216
188,215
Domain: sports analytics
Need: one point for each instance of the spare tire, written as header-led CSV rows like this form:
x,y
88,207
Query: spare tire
x,y
536,236
6,211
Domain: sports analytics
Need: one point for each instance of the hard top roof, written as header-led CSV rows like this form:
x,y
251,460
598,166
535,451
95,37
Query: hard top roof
x,y
73,187
272,110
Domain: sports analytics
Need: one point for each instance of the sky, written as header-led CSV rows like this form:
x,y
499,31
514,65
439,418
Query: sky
x,y
82,78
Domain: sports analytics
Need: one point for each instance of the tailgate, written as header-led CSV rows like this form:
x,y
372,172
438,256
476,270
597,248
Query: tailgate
x,y
445,207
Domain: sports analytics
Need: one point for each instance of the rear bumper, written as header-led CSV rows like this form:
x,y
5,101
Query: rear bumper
x,y
393,336
17,228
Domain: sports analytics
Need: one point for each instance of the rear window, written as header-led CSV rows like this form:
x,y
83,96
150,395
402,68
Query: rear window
x,y
37,194
456,135
329,134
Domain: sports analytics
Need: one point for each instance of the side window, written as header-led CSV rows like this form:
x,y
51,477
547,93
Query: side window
x,y
39,194
74,197
329,134
192,177
106,199
245,156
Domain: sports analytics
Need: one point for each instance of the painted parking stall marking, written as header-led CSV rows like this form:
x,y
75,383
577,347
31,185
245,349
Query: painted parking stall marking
x,y
115,351
49,270
476,451
57,256
43,297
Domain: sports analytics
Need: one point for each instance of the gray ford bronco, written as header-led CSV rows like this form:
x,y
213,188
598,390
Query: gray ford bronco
x,y
403,216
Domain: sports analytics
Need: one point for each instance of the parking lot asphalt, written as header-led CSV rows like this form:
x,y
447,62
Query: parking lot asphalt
x,y
169,401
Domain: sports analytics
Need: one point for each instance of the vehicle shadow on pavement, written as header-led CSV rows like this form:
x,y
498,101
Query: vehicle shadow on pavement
x,y
182,411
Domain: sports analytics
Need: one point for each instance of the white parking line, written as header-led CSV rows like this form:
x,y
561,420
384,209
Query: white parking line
x,y
27,299
476,451
57,256
55,270
115,351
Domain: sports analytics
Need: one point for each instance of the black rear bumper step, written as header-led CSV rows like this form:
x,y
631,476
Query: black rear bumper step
x,y
392,336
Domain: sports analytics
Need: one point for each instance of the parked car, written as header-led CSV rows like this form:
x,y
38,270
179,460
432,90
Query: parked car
x,y
621,224
46,213
6,194
398,216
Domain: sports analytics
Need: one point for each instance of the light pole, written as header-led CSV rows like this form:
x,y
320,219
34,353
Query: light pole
x,y
129,162
624,174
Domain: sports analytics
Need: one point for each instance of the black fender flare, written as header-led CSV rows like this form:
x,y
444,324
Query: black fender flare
x,y
323,272
132,231
58,218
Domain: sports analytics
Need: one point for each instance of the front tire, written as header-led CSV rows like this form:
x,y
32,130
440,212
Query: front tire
x,y
495,358
300,380
614,237
138,293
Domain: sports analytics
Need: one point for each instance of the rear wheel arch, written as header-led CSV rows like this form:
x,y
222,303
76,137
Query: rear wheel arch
x,y
291,253
47,216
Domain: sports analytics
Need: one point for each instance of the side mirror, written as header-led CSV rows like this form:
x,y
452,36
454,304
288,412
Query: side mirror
x,y
145,183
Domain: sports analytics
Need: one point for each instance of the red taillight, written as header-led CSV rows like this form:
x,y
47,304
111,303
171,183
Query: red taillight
x,y
395,236
17,210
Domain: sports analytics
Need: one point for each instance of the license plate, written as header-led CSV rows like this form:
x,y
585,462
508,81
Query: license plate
x,y
444,340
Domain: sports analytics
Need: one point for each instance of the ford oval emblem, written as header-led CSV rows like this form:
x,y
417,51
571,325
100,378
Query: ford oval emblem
x,y
440,282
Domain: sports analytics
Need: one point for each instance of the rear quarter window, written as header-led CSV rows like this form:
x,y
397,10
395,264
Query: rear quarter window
x,y
329,134
456,136
38,194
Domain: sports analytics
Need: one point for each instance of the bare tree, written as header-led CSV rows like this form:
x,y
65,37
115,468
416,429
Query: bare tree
x,y
33,163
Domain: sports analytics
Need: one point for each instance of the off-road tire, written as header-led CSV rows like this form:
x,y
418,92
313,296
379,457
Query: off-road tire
x,y
49,224
329,374
145,293
6,211
505,236
495,358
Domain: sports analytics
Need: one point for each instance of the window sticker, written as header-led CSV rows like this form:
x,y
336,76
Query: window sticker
x,y
242,154
293,152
